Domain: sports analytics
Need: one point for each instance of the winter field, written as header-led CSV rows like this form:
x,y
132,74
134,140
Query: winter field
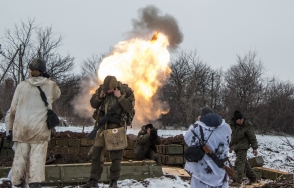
x,y
276,153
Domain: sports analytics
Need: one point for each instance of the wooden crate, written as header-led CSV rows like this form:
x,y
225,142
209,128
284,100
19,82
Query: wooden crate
x,y
7,144
256,161
129,154
79,173
172,149
86,142
60,142
131,145
66,150
6,152
273,174
84,150
74,142
171,159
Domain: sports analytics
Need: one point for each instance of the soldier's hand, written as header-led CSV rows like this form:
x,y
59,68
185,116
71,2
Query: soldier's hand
x,y
102,94
148,131
116,93
255,152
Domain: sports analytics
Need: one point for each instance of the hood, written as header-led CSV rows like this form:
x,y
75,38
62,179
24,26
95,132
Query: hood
x,y
37,81
211,120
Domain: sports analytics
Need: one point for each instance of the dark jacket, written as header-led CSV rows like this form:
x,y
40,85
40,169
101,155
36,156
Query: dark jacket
x,y
145,143
243,136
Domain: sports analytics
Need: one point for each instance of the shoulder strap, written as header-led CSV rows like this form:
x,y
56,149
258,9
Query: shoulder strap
x,y
202,134
43,96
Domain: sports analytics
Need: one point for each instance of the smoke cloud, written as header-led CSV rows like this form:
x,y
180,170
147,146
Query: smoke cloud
x,y
81,102
150,19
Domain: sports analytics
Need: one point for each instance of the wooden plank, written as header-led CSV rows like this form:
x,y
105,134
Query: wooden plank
x,y
175,171
273,174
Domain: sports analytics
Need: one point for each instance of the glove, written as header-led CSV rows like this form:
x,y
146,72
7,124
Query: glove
x,y
153,133
9,136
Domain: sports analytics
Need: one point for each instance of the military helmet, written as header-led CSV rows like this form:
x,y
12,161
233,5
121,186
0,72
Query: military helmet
x,y
109,82
38,64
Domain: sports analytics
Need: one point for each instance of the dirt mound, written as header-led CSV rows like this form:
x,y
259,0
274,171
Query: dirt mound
x,y
178,139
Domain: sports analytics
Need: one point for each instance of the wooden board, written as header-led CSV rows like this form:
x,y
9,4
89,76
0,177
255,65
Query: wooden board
x,y
175,171
268,173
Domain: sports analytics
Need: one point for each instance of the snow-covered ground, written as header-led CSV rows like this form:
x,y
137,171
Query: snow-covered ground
x,y
274,150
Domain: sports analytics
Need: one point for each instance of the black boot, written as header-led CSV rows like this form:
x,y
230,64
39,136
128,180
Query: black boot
x,y
92,183
35,185
113,184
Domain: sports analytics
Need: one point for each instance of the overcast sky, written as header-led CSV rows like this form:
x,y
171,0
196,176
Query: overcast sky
x,y
219,30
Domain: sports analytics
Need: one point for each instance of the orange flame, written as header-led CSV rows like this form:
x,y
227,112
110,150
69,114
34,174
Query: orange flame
x,y
143,65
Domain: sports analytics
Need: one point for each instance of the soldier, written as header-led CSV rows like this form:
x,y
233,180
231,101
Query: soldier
x,y
109,93
27,122
146,143
243,137
216,134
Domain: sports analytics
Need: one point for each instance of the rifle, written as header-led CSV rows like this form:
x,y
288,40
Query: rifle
x,y
215,159
107,117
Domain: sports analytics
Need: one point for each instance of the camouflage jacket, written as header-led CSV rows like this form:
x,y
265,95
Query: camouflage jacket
x,y
145,142
103,105
243,136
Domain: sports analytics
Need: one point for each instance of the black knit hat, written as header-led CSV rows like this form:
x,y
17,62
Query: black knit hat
x,y
206,110
238,115
148,126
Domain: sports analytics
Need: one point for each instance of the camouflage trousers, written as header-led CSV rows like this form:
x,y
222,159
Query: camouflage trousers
x,y
242,167
98,161
150,154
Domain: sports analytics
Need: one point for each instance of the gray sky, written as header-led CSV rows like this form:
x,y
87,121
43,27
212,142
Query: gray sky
x,y
219,30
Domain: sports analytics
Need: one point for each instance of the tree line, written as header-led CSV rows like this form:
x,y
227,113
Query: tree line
x,y
266,101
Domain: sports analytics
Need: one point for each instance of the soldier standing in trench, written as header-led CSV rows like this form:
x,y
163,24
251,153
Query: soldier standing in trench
x,y
110,92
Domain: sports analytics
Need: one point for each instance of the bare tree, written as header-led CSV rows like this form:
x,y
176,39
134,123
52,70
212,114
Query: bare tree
x,y
90,65
34,41
276,113
188,89
244,84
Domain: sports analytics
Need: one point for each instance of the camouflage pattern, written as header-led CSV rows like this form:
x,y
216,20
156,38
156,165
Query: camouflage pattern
x,y
97,163
146,146
243,136
102,106
242,166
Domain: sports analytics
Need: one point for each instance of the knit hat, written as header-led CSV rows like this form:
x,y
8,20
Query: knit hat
x,y
38,64
110,82
206,110
238,115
